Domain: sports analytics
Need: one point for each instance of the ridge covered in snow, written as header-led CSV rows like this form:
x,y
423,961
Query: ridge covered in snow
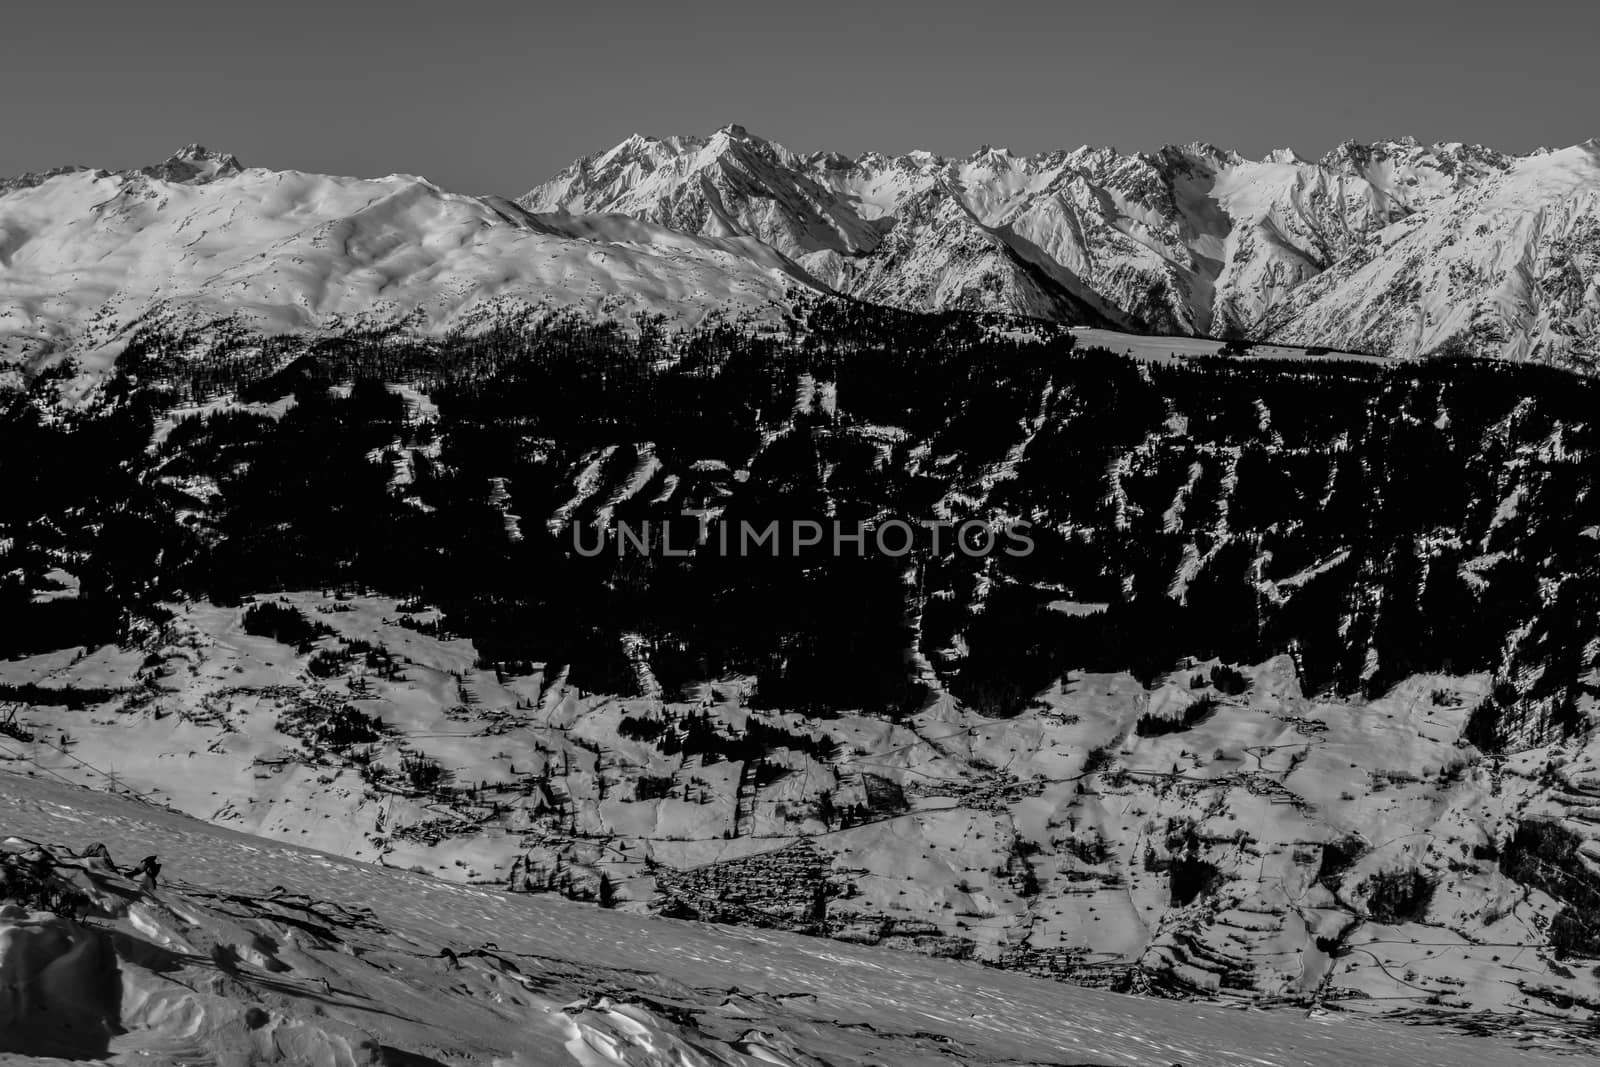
x,y
1394,248
88,256
1437,247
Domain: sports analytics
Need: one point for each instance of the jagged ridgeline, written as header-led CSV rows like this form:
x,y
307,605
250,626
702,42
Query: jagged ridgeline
x,y
1373,520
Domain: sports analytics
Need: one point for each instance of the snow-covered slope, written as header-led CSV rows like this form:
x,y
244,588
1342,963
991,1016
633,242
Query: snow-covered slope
x,y
87,255
1435,247
252,951
1243,856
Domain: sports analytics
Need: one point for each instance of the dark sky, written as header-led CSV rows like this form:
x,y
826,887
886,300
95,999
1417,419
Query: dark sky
x,y
494,97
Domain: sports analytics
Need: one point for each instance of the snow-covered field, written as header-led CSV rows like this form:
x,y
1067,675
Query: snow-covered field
x,y
1161,349
1056,842
257,951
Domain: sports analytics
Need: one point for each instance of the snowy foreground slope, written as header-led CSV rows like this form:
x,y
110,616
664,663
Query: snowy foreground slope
x,y
1064,842
257,952
1414,249
87,256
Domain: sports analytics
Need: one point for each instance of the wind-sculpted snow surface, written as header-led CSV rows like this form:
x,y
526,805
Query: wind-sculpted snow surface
x,y
250,951
86,257
58,985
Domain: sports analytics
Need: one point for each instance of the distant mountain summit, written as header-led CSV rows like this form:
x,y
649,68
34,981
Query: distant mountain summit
x,y
194,164
1187,239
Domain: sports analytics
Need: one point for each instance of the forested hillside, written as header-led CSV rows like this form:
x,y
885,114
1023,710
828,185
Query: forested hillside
x,y
1276,665
1374,521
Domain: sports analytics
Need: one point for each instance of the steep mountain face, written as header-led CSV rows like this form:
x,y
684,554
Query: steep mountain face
x,y
86,257
194,164
1510,267
934,252
730,183
1493,253
938,255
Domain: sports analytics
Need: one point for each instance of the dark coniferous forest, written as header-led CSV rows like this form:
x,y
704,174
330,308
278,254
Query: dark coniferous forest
x,y
1372,521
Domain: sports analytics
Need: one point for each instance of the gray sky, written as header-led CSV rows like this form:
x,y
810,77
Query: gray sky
x,y
494,97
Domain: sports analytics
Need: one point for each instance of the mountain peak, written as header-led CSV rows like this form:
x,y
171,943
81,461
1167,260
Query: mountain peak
x,y
194,164
196,153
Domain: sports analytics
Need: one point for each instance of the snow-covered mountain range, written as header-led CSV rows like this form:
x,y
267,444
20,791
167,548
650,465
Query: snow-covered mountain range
x,y
1394,248
1413,249
88,255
